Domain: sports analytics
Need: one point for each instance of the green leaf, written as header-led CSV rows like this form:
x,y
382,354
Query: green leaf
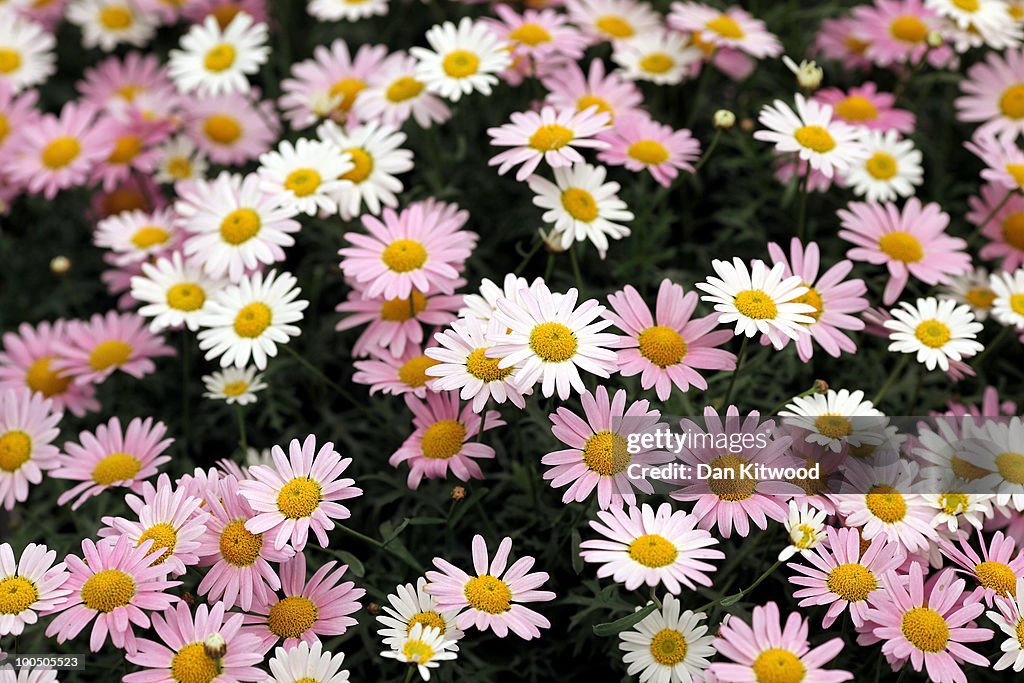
x,y
574,548
731,600
612,628
354,565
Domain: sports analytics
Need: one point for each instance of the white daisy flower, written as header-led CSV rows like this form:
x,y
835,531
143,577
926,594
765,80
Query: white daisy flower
x,y
988,21
411,605
461,59
668,646
26,52
109,23
234,385
215,61
180,159
424,646
892,168
483,305
956,505
306,663
806,528
973,289
396,94
809,131
250,319
662,57
31,584
937,330
1008,304
997,454
306,175
758,300
613,20
836,418
349,10
549,340
1010,620
464,366
999,36
377,156
174,292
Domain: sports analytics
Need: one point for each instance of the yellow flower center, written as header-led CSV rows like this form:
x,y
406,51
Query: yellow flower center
x,y
116,17
60,152
220,58
1017,303
1016,172
460,63
725,26
402,89
15,450
400,310
734,485
1011,467
553,342
1012,102
362,165
226,12
933,333
588,101
1020,633
813,299
186,296
925,629
901,246
980,297
253,320
111,353
486,369
429,620
222,129
191,664
443,439
10,60
776,665
292,616
833,426
856,108
615,26
348,89
179,168
756,304
403,256
129,91
580,204
851,582
1013,230
299,498
17,594
668,647
235,388
5,126
302,182
413,372
650,152
116,467
657,63
164,536
125,149
997,576
653,550
42,379
240,226
150,236
886,503
967,5
238,546
662,345
418,651
953,503
882,166
909,29
606,453
815,138
108,589
966,470
551,136
803,536
124,199
488,594
530,34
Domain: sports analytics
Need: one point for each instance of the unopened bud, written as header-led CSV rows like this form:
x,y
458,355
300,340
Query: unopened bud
x,y
746,125
724,119
458,493
820,386
808,74
188,599
935,39
373,608
552,240
215,646
60,265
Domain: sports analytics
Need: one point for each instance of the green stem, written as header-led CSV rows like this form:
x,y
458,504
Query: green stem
x,y
997,209
802,210
996,341
410,672
736,597
186,370
550,266
707,153
782,404
529,256
240,412
322,377
917,391
896,371
736,373
379,545
576,270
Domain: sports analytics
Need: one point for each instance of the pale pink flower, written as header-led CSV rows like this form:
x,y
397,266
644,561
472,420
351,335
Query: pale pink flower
x,y
131,141
550,135
896,32
1004,160
33,584
29,359
1005,228
864,105
395,375
395,324
996,569
835,40
993,94
570,89
732,29
231,129
105,343
18,111
639,143
394,95
541,41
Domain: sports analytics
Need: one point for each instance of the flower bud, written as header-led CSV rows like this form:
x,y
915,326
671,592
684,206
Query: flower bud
x,y
60,265
458,493
808,74
935,39
215,646
724,119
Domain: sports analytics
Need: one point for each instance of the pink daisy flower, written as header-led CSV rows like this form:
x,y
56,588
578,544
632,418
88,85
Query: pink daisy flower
x,y
569,89
231,129
549,135
731,502
896,32
17,111
421,248
1005,228
299,493
541,41
29,359
865,106
493,596
110,458
28,426
836,40
732,29
395,375
318,607
111,585
133,142
241,560
770,650
997,569
395,95
843,576
1003,158
644,546
136,236
640,143
395,324
115,341
929,630
993,94
598,455
120,80
444,439
670,347
134,194
835,300
57,152
183,652
911,241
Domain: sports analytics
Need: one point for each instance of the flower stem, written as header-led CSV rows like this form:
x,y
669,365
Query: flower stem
x,y
707,153
736,373
896,371
410,672
576,270
529,256
998,207
380,545
322,377
736,597
996,341
802,210
186,370
240,412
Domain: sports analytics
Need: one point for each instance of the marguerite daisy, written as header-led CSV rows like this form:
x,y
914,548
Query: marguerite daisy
x,y
549,135
661,57
425,647
410,605
28,426
1008,304
461,59
109,23
667,645
216,61
306,663
26,52
836,418
173,292
938,331
234,385
29,585
892,168
306,175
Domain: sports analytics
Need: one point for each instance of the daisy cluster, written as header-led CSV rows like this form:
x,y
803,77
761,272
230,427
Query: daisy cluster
x,y
495,222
